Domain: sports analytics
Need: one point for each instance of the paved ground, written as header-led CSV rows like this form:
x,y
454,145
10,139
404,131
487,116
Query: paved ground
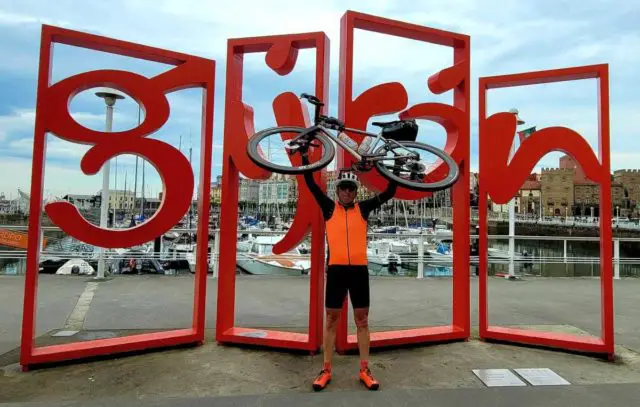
x,y
275,378
153,302
622,395
221,371
56,299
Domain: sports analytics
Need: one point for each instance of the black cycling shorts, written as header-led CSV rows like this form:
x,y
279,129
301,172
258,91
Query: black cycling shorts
x,y
343,279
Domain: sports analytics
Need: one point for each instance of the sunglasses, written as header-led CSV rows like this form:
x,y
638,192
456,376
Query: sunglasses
x,y
349,188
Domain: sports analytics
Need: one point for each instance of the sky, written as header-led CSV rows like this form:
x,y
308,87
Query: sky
x,y
506,37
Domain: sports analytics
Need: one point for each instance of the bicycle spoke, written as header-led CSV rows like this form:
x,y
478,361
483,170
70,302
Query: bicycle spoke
x,y
284,149
410,164
416,166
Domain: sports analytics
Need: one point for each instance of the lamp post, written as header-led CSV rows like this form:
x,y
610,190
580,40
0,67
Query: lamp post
x,y
512,215
110,99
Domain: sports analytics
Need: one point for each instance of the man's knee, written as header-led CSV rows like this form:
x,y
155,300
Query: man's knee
x,y
361,317
333,316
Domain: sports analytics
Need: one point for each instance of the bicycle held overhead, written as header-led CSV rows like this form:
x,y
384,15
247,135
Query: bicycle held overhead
x,y
393,152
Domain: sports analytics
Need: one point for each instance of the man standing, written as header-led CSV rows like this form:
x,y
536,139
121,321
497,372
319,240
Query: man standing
x,y
347,271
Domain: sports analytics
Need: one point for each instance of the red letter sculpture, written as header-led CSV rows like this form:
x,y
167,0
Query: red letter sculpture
x,y
392,97
281,53
53,116
501,181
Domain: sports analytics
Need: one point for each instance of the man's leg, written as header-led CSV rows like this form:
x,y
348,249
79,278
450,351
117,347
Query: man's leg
x,y
361,316
359,292
336,292
333,317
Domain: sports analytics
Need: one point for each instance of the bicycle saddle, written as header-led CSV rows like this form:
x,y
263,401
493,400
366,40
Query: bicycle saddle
x,y
385,124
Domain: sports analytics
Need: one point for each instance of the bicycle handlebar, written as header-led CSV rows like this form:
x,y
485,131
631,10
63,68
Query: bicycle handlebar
x,y
312,99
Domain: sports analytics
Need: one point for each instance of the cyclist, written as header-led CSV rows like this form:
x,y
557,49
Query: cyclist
x,y
347,271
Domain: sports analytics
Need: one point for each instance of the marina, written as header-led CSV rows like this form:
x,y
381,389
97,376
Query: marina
x,y
391,250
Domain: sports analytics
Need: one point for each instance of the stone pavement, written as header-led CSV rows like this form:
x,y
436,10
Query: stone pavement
x,y
620,395
223,373
230,375
159,302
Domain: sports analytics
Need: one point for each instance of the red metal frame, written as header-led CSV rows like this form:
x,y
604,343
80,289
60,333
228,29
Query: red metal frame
x,y
392,97
281,53
52,115
496,136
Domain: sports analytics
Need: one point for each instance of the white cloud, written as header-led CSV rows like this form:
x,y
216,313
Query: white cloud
x,y
625,160
19,19
506,37
20,169
85,116
19,120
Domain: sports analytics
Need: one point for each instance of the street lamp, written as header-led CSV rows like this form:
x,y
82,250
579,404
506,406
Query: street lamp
x,y
110,97
512,215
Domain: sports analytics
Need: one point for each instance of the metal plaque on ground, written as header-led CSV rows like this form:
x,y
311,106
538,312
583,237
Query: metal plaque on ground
x,y
542,377
65,333
498,377
254,334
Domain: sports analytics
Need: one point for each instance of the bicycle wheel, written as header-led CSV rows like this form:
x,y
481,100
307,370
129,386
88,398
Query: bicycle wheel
x,y
407,163
271,149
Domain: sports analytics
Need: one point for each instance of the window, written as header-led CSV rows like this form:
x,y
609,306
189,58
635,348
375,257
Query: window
x,y
283,190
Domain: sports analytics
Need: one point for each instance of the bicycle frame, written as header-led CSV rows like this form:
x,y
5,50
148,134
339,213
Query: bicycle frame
x,y
367,154
317,119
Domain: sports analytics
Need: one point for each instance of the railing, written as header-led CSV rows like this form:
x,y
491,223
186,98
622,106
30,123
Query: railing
x,y
416,256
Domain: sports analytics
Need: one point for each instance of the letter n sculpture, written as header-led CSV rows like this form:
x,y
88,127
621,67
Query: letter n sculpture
x,y
500,179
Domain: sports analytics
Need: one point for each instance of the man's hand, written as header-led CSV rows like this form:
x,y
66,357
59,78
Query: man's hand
x,y
397,165
304,154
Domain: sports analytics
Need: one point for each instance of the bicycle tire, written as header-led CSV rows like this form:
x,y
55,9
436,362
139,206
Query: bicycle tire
x,y
448,181
328,151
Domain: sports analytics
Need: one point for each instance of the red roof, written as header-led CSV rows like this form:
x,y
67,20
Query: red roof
x,y
529,184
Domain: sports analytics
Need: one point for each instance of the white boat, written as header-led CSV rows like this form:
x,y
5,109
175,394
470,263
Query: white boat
x,y
260,260
386,229
504,254
400,247
442,253
395,246
184,248
379,253
183,251
442,232
76,266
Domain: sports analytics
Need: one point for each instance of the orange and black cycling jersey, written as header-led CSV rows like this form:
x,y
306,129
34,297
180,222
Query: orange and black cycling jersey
x,y
366,207
347,225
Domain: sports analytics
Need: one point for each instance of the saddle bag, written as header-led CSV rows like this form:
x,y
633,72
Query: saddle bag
x,y
401,130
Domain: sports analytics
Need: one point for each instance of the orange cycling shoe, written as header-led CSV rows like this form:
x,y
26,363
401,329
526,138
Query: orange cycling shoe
x,y
322,380
368,380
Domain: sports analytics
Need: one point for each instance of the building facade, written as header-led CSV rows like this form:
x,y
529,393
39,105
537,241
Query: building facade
x,y
630,182
531,198
121,200
151,205
557,191
249,191
274,190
